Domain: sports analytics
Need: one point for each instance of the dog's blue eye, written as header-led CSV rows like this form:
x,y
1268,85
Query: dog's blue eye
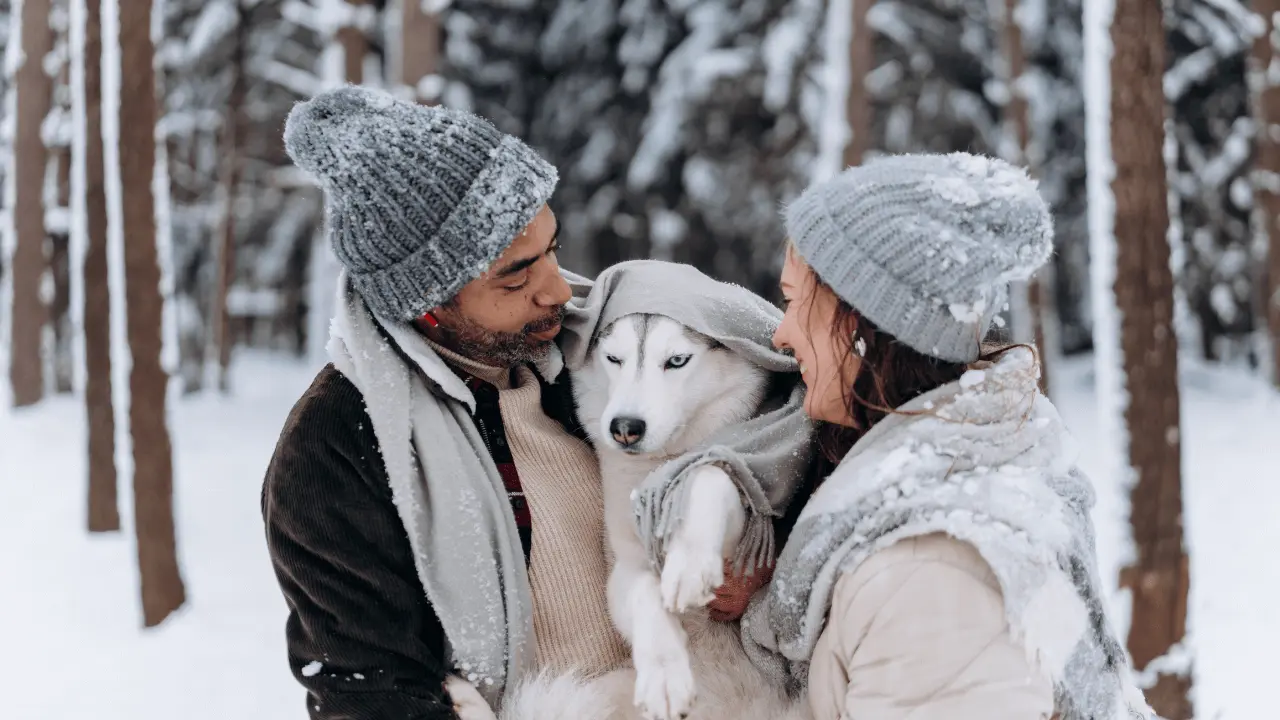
x,y
677,362
613,359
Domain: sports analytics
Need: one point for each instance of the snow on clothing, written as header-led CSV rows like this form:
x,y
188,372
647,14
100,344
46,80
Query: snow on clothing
x,y
987,461
363,637
925,245
767,457
420,199
919,631
452,503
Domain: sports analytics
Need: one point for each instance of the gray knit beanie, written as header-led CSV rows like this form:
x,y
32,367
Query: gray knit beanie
x,y
420,200
925,246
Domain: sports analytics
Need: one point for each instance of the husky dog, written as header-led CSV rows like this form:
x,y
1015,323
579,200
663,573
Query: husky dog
x,y
652,390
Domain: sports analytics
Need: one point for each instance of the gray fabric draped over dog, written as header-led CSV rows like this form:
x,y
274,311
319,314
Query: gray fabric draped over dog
x,y
768,456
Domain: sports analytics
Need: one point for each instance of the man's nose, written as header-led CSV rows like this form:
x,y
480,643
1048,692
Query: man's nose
x,y
556,291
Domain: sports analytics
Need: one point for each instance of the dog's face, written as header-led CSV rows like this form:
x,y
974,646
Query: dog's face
x,y
652,386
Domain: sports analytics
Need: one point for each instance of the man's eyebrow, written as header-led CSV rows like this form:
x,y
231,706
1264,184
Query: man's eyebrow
x,y
523,264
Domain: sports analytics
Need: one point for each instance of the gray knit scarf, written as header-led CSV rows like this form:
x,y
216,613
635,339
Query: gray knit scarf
x,y
449,494
988,461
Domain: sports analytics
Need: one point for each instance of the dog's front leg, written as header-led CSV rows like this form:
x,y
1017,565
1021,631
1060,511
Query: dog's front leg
x,y
659,646
711,528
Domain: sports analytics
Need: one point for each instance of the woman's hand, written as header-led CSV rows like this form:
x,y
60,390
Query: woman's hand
x,y
732,597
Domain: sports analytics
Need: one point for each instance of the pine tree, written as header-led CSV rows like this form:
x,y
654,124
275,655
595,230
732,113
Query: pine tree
x,y
1212,130
220,325
1265,88
28,316
1158,578
857,103
679,129
103,511
275,210
419,51
163,590
1031,296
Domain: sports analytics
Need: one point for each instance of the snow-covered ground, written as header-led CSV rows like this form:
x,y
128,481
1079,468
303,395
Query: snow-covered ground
x,y
69,615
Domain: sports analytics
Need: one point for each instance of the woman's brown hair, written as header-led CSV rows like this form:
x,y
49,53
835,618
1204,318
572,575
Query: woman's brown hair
x,y
890,374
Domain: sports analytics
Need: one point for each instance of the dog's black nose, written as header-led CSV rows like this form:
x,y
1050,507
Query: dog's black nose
x,y
627,431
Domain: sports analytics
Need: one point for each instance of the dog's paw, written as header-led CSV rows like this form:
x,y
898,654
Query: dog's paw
x,y
694,565
691,575
467,701
665,690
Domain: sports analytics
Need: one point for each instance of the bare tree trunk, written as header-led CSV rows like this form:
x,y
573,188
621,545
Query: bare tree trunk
x,y
1158,579
221,340
63,360
29,315
1266,175
1017,121
858,103
104,513
355,46
162,586
419,48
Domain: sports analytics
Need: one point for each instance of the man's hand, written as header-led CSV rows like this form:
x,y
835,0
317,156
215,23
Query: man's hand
x,y
732,597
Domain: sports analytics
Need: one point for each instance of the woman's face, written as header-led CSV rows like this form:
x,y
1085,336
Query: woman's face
x,y
828,368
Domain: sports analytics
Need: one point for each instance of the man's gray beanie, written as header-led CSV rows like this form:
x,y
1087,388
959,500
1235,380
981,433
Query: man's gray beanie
x,y
924,246
421,200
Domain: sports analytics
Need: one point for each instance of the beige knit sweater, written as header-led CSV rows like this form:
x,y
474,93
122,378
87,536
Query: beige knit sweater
x,y
568,565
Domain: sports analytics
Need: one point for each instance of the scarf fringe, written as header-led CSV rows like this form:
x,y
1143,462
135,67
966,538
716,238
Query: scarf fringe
x,y
659,513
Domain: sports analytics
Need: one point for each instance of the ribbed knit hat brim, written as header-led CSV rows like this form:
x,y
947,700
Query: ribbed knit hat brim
x,y
420,200
925,246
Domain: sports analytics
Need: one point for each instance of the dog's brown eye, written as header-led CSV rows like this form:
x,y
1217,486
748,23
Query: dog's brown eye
x,y
613,359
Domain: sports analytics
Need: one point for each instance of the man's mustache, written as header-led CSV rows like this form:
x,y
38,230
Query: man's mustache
x,y
547,323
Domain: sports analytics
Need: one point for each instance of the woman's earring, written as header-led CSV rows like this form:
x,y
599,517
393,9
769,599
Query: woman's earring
x,y
859,346
430,320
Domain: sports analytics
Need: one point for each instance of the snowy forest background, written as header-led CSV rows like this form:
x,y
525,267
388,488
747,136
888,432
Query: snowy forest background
x,y
167,284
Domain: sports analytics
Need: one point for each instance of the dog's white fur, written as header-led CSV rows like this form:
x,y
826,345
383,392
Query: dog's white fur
x,y
684,388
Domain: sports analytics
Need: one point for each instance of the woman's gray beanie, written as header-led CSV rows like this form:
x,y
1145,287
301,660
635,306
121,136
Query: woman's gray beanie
x,y
925,246
420,200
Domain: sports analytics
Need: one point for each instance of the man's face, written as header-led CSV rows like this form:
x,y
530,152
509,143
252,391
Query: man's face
x,y
511,314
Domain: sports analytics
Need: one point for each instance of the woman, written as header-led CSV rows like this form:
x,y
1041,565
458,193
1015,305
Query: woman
x,y
945,569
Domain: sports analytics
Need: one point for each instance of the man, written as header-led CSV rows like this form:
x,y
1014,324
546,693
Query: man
x,y
432,506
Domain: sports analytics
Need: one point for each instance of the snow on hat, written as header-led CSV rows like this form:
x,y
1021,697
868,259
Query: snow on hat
x,y
925,246
420,200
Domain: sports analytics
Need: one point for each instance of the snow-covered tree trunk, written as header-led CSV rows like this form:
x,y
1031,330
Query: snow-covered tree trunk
x,y
1143,290
1206,87
344,61
221,340
60,333
103,508
1030,297
858,101
420,42
1264,76
163,590
28,265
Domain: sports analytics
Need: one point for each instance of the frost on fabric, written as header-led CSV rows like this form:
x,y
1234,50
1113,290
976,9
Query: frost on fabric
x,y
312,668
989,463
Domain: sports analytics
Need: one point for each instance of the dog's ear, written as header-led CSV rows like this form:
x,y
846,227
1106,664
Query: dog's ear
x,y
601,333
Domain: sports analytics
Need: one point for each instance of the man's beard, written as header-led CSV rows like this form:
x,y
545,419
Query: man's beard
x,y
501,349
